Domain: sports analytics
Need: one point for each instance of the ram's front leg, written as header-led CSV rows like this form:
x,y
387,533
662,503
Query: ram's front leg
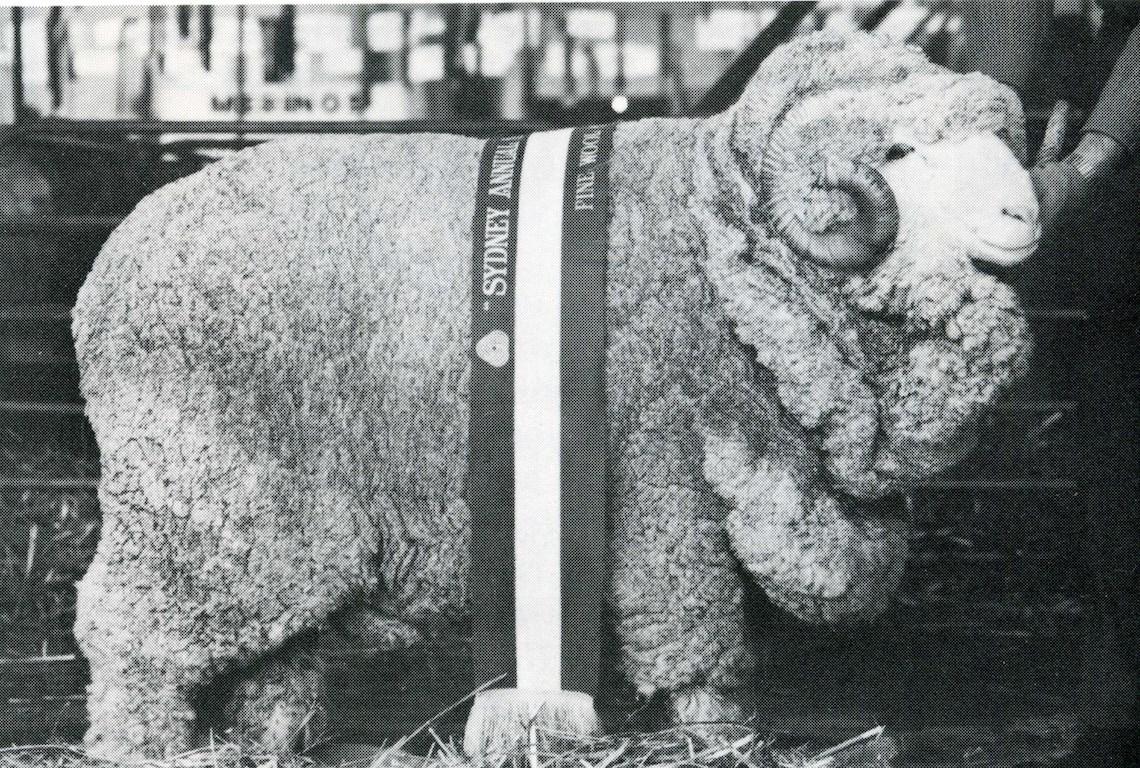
x,y
804,547
676,595
966,342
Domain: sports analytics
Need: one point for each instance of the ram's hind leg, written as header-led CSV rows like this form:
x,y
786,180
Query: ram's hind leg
x,y
208,561
141,651
706,704
142,616
278,704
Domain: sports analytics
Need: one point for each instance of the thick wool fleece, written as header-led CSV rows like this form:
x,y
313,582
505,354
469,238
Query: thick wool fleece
x,y
887,373
274,352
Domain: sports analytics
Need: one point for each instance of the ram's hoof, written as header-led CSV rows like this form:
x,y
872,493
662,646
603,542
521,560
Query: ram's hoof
x,y
704,704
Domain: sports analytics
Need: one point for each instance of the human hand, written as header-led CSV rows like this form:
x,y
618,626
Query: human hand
x,y
1059,184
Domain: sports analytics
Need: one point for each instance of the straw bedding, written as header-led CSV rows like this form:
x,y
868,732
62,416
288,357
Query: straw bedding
x,y
692,746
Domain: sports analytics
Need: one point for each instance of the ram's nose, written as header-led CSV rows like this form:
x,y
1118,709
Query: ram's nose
x,y
1009,239
1026,214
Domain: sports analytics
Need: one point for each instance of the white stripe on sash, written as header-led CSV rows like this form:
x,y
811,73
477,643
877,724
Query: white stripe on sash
x,y
538,407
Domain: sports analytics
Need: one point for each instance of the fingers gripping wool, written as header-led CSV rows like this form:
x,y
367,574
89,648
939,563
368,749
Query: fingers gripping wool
x,y
274,353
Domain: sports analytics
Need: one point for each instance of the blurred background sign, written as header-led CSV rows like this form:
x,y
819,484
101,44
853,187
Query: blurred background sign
x,y
394,62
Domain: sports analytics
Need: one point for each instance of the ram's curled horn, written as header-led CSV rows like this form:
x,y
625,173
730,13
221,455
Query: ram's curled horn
x,y
854,244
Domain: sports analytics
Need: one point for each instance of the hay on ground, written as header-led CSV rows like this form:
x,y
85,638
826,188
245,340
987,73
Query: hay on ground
x,y
691,746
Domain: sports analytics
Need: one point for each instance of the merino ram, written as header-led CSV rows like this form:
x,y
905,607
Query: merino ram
x,y
274,353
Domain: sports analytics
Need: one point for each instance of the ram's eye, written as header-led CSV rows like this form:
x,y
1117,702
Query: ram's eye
x,y
898,152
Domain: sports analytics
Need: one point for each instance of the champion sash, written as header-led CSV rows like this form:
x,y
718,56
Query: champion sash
x,y
538,436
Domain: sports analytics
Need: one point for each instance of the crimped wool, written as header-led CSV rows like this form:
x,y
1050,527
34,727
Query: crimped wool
x,y
274,353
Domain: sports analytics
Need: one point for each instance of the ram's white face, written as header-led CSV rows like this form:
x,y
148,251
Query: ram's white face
x,y
972,190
